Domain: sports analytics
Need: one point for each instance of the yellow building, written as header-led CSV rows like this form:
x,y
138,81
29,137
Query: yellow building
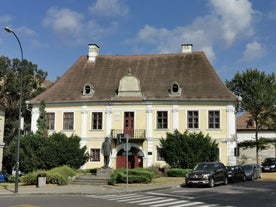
x,y
144,96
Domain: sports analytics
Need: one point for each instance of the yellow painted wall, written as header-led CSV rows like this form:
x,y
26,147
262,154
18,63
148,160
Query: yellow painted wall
x,y
117,115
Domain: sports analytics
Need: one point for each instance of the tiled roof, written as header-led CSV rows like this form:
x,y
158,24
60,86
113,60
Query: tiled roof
x,y
156,73
243,122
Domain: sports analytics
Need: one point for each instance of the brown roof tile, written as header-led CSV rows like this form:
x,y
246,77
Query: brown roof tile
x,y
192,71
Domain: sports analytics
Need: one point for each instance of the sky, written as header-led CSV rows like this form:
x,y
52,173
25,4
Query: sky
x,y
235,35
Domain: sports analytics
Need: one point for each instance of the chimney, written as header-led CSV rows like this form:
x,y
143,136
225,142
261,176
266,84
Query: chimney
x,y
187,48
93,52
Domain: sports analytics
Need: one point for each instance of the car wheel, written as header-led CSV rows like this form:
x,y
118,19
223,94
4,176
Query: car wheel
x,y
243,178
252,177
211,182
225,181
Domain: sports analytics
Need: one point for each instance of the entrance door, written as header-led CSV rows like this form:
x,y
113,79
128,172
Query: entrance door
x,y
129,123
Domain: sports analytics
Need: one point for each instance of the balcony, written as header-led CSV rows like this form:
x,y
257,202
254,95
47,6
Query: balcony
x,y
138,134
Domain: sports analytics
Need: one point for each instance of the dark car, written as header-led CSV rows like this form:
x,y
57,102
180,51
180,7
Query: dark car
x,y
269,164
207,173
3,177
252,171
236,173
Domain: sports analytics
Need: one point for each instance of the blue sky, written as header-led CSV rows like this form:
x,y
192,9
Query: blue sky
x,y
234,34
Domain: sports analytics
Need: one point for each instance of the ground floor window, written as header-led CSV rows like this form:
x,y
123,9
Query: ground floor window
x,y
158,155
94,155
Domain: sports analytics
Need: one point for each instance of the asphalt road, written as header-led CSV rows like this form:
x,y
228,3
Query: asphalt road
x,y
243,194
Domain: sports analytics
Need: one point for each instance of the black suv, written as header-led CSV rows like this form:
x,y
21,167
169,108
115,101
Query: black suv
x,y
207,173
269,164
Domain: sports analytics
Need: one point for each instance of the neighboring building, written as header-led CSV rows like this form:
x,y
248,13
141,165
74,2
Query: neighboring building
x,y
144,96
2,144
246,131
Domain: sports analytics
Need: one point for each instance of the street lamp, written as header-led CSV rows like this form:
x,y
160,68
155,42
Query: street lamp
x,y
20,108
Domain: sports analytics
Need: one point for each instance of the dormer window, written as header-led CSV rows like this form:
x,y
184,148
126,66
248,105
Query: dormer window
x,y
175,89
88,90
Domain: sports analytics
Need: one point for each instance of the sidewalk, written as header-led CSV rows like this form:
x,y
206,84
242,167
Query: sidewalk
x,y
87,189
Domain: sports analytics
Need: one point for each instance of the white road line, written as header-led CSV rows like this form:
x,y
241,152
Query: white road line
x,y
169,195
124,197
133,199
170,203
145,200
188,204
158,201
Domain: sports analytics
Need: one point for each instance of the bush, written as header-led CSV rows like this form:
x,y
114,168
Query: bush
x,y
59,176
177,172
137,175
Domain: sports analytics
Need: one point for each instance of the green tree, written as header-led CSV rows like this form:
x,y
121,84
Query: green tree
x,y
187,149
39,152
258,93
32,85
42,120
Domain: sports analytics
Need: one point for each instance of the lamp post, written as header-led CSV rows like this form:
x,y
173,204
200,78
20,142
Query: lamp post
x,y
20,108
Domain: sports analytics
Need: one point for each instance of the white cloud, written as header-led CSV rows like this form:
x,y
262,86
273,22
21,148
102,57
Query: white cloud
x,y
26,31
63,20
5,19
109,8
223,25
73,29
235,18
253,51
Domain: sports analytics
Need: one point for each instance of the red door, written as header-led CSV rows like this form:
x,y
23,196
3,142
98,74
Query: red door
x,y
129,123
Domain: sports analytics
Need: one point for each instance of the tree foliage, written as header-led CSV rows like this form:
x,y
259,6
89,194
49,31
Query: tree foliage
x,y
187,149
39,152
42,120
258,93
32,85
32,79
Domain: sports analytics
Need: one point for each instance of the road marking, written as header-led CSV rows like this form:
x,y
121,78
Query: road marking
x,y
154,199
24,205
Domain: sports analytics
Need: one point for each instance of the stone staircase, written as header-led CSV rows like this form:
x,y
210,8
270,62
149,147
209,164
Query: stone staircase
x,y
101,178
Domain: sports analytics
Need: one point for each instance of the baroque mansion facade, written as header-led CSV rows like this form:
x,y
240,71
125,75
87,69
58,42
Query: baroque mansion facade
x,y
144,96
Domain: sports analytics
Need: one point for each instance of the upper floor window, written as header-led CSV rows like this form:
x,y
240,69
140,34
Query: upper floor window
x,y
192,119
214,120
50,121
68,121
97,120
94,155
162,120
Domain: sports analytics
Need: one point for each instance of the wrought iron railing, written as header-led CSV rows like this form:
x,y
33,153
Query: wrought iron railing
x,y
137,133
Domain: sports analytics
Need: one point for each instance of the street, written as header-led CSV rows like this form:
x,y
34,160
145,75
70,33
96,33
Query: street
x,y
243,194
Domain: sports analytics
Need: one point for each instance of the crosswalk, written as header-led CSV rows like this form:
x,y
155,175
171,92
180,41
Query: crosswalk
x,y
156,200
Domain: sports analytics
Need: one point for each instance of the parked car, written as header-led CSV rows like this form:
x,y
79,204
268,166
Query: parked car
x,y
236,173
3,177
269,164
252,171
207,173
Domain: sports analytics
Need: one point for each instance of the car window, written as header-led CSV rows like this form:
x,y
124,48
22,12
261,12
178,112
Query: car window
x,y
204,166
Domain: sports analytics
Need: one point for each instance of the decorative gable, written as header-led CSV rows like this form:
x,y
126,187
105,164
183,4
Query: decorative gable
x,y
129,86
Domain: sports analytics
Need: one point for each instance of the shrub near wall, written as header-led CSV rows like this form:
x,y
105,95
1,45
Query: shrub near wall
x,y
59,176
177,172
137,175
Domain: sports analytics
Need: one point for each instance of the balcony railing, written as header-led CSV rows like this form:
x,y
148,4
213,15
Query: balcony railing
x,y
137,133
